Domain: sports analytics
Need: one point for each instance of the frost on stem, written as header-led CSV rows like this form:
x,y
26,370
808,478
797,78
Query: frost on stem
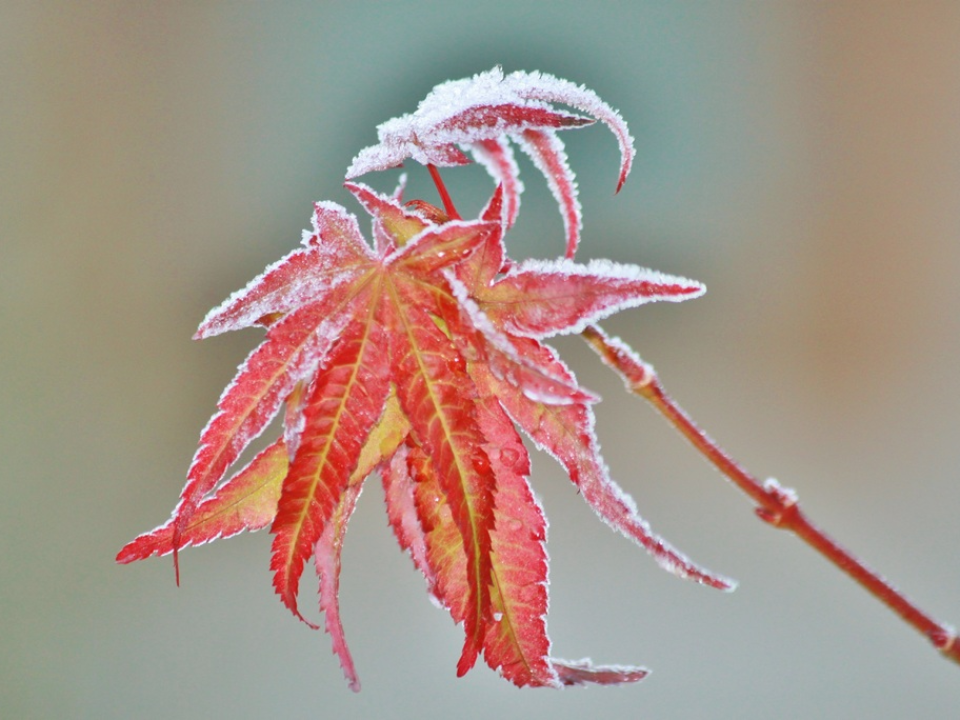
x,y
782,505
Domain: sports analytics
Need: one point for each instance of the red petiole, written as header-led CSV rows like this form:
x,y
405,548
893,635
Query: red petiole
x,y
448,205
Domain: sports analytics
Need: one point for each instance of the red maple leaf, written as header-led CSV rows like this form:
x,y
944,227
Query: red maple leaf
x,y
480,114
420,359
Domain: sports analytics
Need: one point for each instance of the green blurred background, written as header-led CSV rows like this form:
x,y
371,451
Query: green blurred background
x,y
801,158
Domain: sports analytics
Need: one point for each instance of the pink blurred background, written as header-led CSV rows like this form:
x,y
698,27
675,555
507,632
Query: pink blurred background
x,y
802,159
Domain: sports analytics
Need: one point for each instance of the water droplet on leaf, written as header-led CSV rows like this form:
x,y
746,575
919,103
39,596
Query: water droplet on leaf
x,y
509,457
481,464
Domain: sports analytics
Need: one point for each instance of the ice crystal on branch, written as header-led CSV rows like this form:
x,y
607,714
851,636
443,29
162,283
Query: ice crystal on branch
x,y
420,358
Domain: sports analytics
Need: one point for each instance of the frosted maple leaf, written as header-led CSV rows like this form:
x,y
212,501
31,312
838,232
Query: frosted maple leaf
x,y
480,114
419,358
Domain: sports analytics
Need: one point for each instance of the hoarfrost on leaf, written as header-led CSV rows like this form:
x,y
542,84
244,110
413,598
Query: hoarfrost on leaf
x,y
419,356
540,298
479,114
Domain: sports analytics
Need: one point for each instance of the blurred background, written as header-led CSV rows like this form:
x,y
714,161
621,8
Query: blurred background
x,y
800,158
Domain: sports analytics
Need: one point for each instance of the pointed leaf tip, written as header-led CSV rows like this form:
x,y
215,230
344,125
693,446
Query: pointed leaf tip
x,y
247,501
540,298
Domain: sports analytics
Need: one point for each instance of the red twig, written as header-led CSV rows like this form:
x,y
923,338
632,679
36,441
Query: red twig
x,y
445,198
776,505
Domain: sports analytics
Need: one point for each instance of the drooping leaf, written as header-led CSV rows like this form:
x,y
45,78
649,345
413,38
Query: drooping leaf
x,y
497,157
516,641
566,433
248,501
327,563
433,389
479,114
382,443
347,398
565,429
547,88
290,354
548,154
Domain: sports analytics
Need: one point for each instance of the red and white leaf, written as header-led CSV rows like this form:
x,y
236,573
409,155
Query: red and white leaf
x,y
516,641
480,122
345,404
435,394
566,433
547,88
478,113
547,152
292,349
496,156
248,501
456,112
335,253
541,298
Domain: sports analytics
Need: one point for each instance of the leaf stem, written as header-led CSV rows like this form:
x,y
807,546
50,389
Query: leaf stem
x,y
445,198
776,505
